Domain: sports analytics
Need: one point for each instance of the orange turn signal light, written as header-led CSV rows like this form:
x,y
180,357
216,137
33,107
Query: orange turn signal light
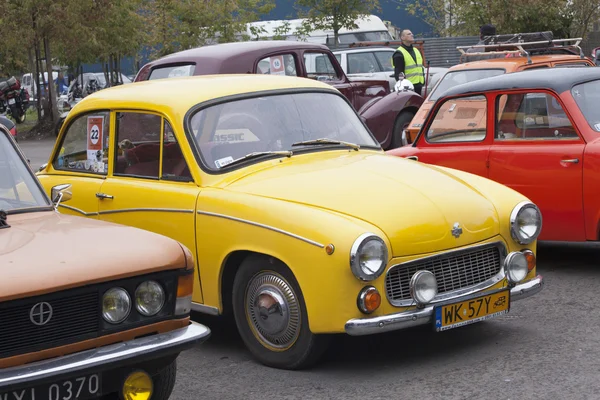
x,y
531,260
368,300
185,285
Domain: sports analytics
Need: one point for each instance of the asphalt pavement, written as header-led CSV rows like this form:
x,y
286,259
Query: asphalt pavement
x,y
546,347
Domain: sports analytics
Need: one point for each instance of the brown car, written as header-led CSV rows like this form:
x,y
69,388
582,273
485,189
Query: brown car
x,y
87,308
385,114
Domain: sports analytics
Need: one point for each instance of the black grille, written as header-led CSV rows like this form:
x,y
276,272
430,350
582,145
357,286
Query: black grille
x,y
452,271
75,316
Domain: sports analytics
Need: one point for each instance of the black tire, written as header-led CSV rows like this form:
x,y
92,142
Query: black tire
x,y
18,116
164,382
297,346
401,123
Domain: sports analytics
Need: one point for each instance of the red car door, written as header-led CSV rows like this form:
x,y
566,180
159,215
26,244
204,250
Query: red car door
x,y
538,152
457,135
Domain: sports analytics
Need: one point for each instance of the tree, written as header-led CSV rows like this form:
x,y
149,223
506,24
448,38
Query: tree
x,y
463,17
583,13
334,14
184,24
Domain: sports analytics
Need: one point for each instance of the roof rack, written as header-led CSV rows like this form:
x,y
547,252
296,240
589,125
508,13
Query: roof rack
x,y
543,46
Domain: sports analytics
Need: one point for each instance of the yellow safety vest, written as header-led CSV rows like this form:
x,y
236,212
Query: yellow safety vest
x,y
412,71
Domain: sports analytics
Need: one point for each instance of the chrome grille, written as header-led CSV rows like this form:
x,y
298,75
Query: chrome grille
x,y
453,270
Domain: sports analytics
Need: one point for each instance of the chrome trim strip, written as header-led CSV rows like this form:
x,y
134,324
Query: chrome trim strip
x,y
201,308
112,355
245,221
124,210
458,292
416,317
78,210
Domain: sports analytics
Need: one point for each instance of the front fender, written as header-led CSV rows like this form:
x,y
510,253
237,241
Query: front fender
x,y
380,114
228,222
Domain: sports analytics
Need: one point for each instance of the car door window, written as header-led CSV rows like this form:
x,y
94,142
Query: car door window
x,y
459,120
362,63
320,67
532,116
385,59
282,64
84,146
139,140
338,57
172,71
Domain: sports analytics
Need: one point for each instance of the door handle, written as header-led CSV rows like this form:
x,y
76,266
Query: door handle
x,y
412,158
104,196
571,160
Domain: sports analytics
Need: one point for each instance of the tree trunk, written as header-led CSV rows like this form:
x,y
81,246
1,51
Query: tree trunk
x,y
51,89
36,79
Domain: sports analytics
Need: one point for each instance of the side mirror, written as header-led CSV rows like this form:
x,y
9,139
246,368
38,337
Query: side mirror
x,y
42,167
60,193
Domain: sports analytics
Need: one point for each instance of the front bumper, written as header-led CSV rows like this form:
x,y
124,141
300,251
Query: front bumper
x,y
104,358
408,319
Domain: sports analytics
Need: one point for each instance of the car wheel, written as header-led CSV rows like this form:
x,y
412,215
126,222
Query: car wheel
x,y
271,316
400,125
164,382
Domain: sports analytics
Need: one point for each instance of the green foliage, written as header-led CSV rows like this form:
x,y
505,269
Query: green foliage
x,y
463,17
183,24
333,14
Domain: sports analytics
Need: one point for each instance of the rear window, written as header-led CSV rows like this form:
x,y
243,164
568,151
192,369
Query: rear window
x,y
172,71
456,78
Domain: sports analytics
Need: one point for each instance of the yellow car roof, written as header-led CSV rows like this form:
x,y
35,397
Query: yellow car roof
x,y
184,92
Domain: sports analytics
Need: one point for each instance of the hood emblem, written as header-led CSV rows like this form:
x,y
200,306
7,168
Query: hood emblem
x,y
40,314
456,230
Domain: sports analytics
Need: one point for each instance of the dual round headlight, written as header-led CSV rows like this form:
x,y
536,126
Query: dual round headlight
x,y
525,223
116,302
368,257
516,266
423,287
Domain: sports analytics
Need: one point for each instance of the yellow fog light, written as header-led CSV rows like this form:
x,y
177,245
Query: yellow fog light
x,y
137,386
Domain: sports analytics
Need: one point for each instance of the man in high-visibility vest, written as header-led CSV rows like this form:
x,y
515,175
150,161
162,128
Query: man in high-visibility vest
x,y
407,60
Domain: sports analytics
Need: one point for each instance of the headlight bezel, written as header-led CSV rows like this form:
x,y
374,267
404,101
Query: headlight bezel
x,y
355,250
508,269
169,281
162,293
129,305
514,215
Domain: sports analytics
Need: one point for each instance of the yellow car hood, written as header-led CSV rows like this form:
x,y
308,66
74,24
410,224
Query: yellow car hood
x,y
415,205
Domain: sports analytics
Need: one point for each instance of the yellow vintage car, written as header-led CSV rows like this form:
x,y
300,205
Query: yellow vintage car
x,y
300,224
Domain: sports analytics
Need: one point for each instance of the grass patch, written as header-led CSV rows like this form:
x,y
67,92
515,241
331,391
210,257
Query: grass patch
x,y
34,129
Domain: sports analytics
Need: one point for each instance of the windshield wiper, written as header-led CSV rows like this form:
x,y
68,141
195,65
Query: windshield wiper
x,y
327,141
258,154
3,223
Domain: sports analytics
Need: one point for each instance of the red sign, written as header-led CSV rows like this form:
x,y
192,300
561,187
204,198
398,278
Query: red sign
x,y
277,67
95,127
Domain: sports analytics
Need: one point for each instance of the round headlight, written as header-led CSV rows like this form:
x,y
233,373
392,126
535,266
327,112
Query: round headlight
x,y
525,223
116,305
149,298
368,257
516,267
423,287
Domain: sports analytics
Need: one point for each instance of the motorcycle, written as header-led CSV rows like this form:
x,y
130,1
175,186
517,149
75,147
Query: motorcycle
x,y
14,99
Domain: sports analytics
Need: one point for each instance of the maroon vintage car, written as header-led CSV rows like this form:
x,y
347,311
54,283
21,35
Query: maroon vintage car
x,y
386,114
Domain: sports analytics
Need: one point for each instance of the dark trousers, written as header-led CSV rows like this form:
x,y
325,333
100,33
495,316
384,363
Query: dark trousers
x,y
418,88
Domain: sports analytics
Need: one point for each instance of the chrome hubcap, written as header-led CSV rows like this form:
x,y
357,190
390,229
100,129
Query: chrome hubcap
x,y
273,310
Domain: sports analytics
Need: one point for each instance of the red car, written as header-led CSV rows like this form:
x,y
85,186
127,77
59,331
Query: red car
x,y
385,114
537,132
10,126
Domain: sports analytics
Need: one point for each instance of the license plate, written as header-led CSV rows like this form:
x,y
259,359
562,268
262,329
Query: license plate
x,y
85,387
470,311
11,101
